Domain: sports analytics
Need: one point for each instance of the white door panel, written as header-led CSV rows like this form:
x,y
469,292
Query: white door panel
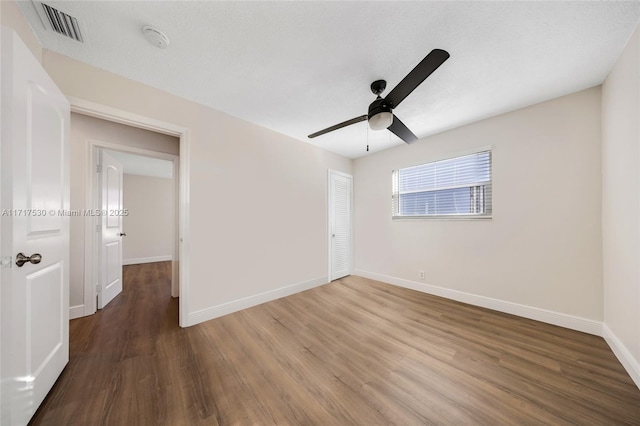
x,y
45,122
340,190
111,229
112,263
34,159
42,287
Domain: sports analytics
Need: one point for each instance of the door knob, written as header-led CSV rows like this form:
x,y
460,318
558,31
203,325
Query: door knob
x,y
21,259
123,234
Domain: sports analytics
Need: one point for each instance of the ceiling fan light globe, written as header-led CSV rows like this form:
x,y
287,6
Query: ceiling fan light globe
x,y
381,121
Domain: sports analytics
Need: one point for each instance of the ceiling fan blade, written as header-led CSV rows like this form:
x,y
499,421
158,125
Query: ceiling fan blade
x,y
339,126
400,130
417,75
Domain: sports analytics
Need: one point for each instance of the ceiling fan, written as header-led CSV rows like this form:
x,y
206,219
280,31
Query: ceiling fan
x,y
380,114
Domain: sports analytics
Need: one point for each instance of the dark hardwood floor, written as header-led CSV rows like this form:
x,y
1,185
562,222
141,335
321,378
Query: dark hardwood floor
x,y
354,351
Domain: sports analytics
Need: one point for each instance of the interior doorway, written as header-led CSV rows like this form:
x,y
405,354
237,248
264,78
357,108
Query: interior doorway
x,y
180,276
139,162
139,194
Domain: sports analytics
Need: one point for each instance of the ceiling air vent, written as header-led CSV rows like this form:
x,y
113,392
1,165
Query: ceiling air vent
x,y
61,23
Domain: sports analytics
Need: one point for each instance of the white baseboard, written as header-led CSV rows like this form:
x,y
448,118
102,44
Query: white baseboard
x,y
152,259
247,302
623,354
76,311
556,318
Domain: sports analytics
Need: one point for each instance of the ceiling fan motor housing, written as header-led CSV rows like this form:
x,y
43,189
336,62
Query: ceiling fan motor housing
x,y
379,116
378,106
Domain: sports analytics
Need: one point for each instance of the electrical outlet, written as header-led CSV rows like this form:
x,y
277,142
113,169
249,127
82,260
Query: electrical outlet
x,y
421,275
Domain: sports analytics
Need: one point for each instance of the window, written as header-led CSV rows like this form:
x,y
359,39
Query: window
x,y
455,187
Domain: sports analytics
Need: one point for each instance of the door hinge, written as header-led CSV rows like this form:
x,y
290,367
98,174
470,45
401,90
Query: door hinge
x,y
98,228
6,262
97,288
99,168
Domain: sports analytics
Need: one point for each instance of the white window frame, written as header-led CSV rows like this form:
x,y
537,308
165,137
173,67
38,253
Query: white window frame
x,y
395,194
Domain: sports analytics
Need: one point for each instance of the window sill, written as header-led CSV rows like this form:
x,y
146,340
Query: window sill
x,y
444,217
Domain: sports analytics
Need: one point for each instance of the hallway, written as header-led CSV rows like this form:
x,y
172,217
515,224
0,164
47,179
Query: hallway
x,y
114,365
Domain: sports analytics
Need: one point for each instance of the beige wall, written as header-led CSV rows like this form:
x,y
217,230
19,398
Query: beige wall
x,y
541,249
11,16
149,224
621,201
257,198
120,134
82,130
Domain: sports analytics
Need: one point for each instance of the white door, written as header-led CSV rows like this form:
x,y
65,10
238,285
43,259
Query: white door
x,y
34,158
340,189
111,232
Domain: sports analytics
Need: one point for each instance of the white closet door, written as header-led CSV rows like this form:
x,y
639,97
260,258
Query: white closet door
x,y
340,241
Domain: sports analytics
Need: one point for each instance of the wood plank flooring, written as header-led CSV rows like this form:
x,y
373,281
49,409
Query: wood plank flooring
x,y
354,351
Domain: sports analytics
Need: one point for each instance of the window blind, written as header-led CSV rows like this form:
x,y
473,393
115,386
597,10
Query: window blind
x,y
459,186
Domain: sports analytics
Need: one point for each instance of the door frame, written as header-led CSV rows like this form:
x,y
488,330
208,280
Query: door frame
x,y
331,172
93,202
181,168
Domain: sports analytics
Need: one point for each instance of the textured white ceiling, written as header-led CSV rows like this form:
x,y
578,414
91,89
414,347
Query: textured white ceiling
x,y
298,67
140,165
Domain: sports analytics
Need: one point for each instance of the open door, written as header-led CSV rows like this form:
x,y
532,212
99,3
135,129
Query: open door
x,y
111,234
34,158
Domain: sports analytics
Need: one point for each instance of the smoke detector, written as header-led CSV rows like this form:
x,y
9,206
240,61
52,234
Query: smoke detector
x,y
155,36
